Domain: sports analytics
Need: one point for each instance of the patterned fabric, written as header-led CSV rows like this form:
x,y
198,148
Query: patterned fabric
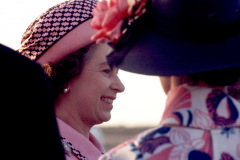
x,y
69,149
197,124
52,25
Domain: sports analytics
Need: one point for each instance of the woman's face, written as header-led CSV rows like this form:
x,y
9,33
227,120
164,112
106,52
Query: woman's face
x,y
94,90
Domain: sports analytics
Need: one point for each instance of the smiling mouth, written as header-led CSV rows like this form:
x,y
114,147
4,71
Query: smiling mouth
x,y
107,100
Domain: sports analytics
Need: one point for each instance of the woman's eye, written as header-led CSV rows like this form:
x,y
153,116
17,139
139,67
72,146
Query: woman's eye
x,y
107,71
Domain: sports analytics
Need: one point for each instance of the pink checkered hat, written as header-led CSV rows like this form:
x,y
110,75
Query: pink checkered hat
x,y
61,30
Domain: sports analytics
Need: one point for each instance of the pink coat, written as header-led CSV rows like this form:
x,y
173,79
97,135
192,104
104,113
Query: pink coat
x,y
76,145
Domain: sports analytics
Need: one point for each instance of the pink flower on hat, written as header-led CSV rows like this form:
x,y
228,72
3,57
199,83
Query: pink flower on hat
x,y
109,15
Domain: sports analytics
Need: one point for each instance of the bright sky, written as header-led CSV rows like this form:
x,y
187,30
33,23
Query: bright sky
x,y
143,101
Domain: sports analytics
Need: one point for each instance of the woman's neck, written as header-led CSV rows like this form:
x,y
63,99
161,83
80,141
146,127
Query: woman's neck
x,y
85,131
71,118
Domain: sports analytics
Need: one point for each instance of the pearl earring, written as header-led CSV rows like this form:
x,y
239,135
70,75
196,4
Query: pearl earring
x,y
66,90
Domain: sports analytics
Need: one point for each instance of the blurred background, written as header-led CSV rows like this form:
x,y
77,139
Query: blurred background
x,y
138,108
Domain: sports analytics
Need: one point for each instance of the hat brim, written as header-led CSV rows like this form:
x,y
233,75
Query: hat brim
x,y
154,54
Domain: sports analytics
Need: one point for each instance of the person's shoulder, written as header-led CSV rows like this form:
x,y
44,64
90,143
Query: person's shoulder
x,y
163,142
135,148
7,54
12,61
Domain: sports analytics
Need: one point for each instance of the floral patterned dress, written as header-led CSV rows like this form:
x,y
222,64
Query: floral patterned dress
x,y
198,124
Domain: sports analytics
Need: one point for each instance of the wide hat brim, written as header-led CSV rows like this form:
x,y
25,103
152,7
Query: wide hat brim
x,y
152,53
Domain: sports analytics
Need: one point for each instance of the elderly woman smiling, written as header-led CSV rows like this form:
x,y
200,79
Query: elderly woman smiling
x,y
84,85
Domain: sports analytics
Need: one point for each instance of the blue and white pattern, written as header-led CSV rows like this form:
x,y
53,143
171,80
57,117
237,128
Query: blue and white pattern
x,y
198,124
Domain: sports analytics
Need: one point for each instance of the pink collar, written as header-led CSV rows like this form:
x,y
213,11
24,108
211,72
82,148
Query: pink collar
x,y
89,148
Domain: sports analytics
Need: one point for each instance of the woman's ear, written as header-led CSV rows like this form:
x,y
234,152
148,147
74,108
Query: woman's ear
x,y
170,82
166,83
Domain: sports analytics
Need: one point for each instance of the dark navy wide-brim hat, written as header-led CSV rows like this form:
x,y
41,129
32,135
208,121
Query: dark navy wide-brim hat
x,y
181,37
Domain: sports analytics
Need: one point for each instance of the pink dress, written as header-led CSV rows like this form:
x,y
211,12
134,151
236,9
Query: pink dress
x,y
198,124
76,145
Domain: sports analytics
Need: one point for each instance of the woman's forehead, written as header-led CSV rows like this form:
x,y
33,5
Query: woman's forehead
x,y
98,58
100,52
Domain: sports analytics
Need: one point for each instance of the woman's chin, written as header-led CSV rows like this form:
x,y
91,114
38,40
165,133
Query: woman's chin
x,y
106,117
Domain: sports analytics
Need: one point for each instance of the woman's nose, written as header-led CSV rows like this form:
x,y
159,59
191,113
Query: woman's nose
x,y
117,84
